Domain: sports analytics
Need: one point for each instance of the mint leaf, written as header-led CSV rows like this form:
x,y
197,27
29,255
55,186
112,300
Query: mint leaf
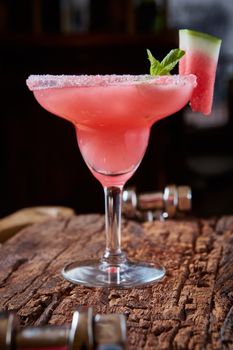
x,y
167,64
171,60
155,66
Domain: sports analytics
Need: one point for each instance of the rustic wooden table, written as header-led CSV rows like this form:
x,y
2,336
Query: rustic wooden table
x,y
191,308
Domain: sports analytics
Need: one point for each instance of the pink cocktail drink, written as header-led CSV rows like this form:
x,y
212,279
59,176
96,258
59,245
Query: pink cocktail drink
x,y
112,116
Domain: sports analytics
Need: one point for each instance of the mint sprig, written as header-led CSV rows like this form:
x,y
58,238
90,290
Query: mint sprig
x,y
167,64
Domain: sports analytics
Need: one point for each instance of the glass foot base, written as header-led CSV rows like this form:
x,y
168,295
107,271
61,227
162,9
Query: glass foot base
x,y
94,273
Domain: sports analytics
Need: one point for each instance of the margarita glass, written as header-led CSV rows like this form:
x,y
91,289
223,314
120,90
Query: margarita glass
x,y
112,115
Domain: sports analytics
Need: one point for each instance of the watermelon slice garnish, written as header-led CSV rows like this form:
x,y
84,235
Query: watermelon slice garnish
x,y
200,59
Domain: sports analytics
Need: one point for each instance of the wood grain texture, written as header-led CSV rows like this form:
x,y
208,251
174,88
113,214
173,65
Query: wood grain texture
x,y
191,308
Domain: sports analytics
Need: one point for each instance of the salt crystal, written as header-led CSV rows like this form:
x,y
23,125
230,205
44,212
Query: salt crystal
x,y
38,82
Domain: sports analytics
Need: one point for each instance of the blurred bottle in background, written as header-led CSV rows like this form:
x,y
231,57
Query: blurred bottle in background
x,y
151,15
74,16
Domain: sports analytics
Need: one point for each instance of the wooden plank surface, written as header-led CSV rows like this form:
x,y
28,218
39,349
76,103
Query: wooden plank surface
x,y
191,308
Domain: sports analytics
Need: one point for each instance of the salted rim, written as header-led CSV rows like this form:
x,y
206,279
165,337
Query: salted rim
x,y
47,81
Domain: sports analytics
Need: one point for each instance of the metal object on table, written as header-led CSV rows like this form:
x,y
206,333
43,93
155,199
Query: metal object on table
x,y
8,328
157,205
86,332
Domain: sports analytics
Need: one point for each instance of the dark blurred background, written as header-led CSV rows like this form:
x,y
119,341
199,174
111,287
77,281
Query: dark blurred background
x,y
39,158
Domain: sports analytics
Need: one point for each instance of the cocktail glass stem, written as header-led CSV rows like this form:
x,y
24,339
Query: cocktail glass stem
x,y
113,197
113,269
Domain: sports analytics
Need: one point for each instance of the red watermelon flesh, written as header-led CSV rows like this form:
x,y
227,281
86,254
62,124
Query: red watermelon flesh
x,y
200,59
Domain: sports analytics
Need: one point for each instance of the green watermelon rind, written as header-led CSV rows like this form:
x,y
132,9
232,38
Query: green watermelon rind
x,y
200,35
191,40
